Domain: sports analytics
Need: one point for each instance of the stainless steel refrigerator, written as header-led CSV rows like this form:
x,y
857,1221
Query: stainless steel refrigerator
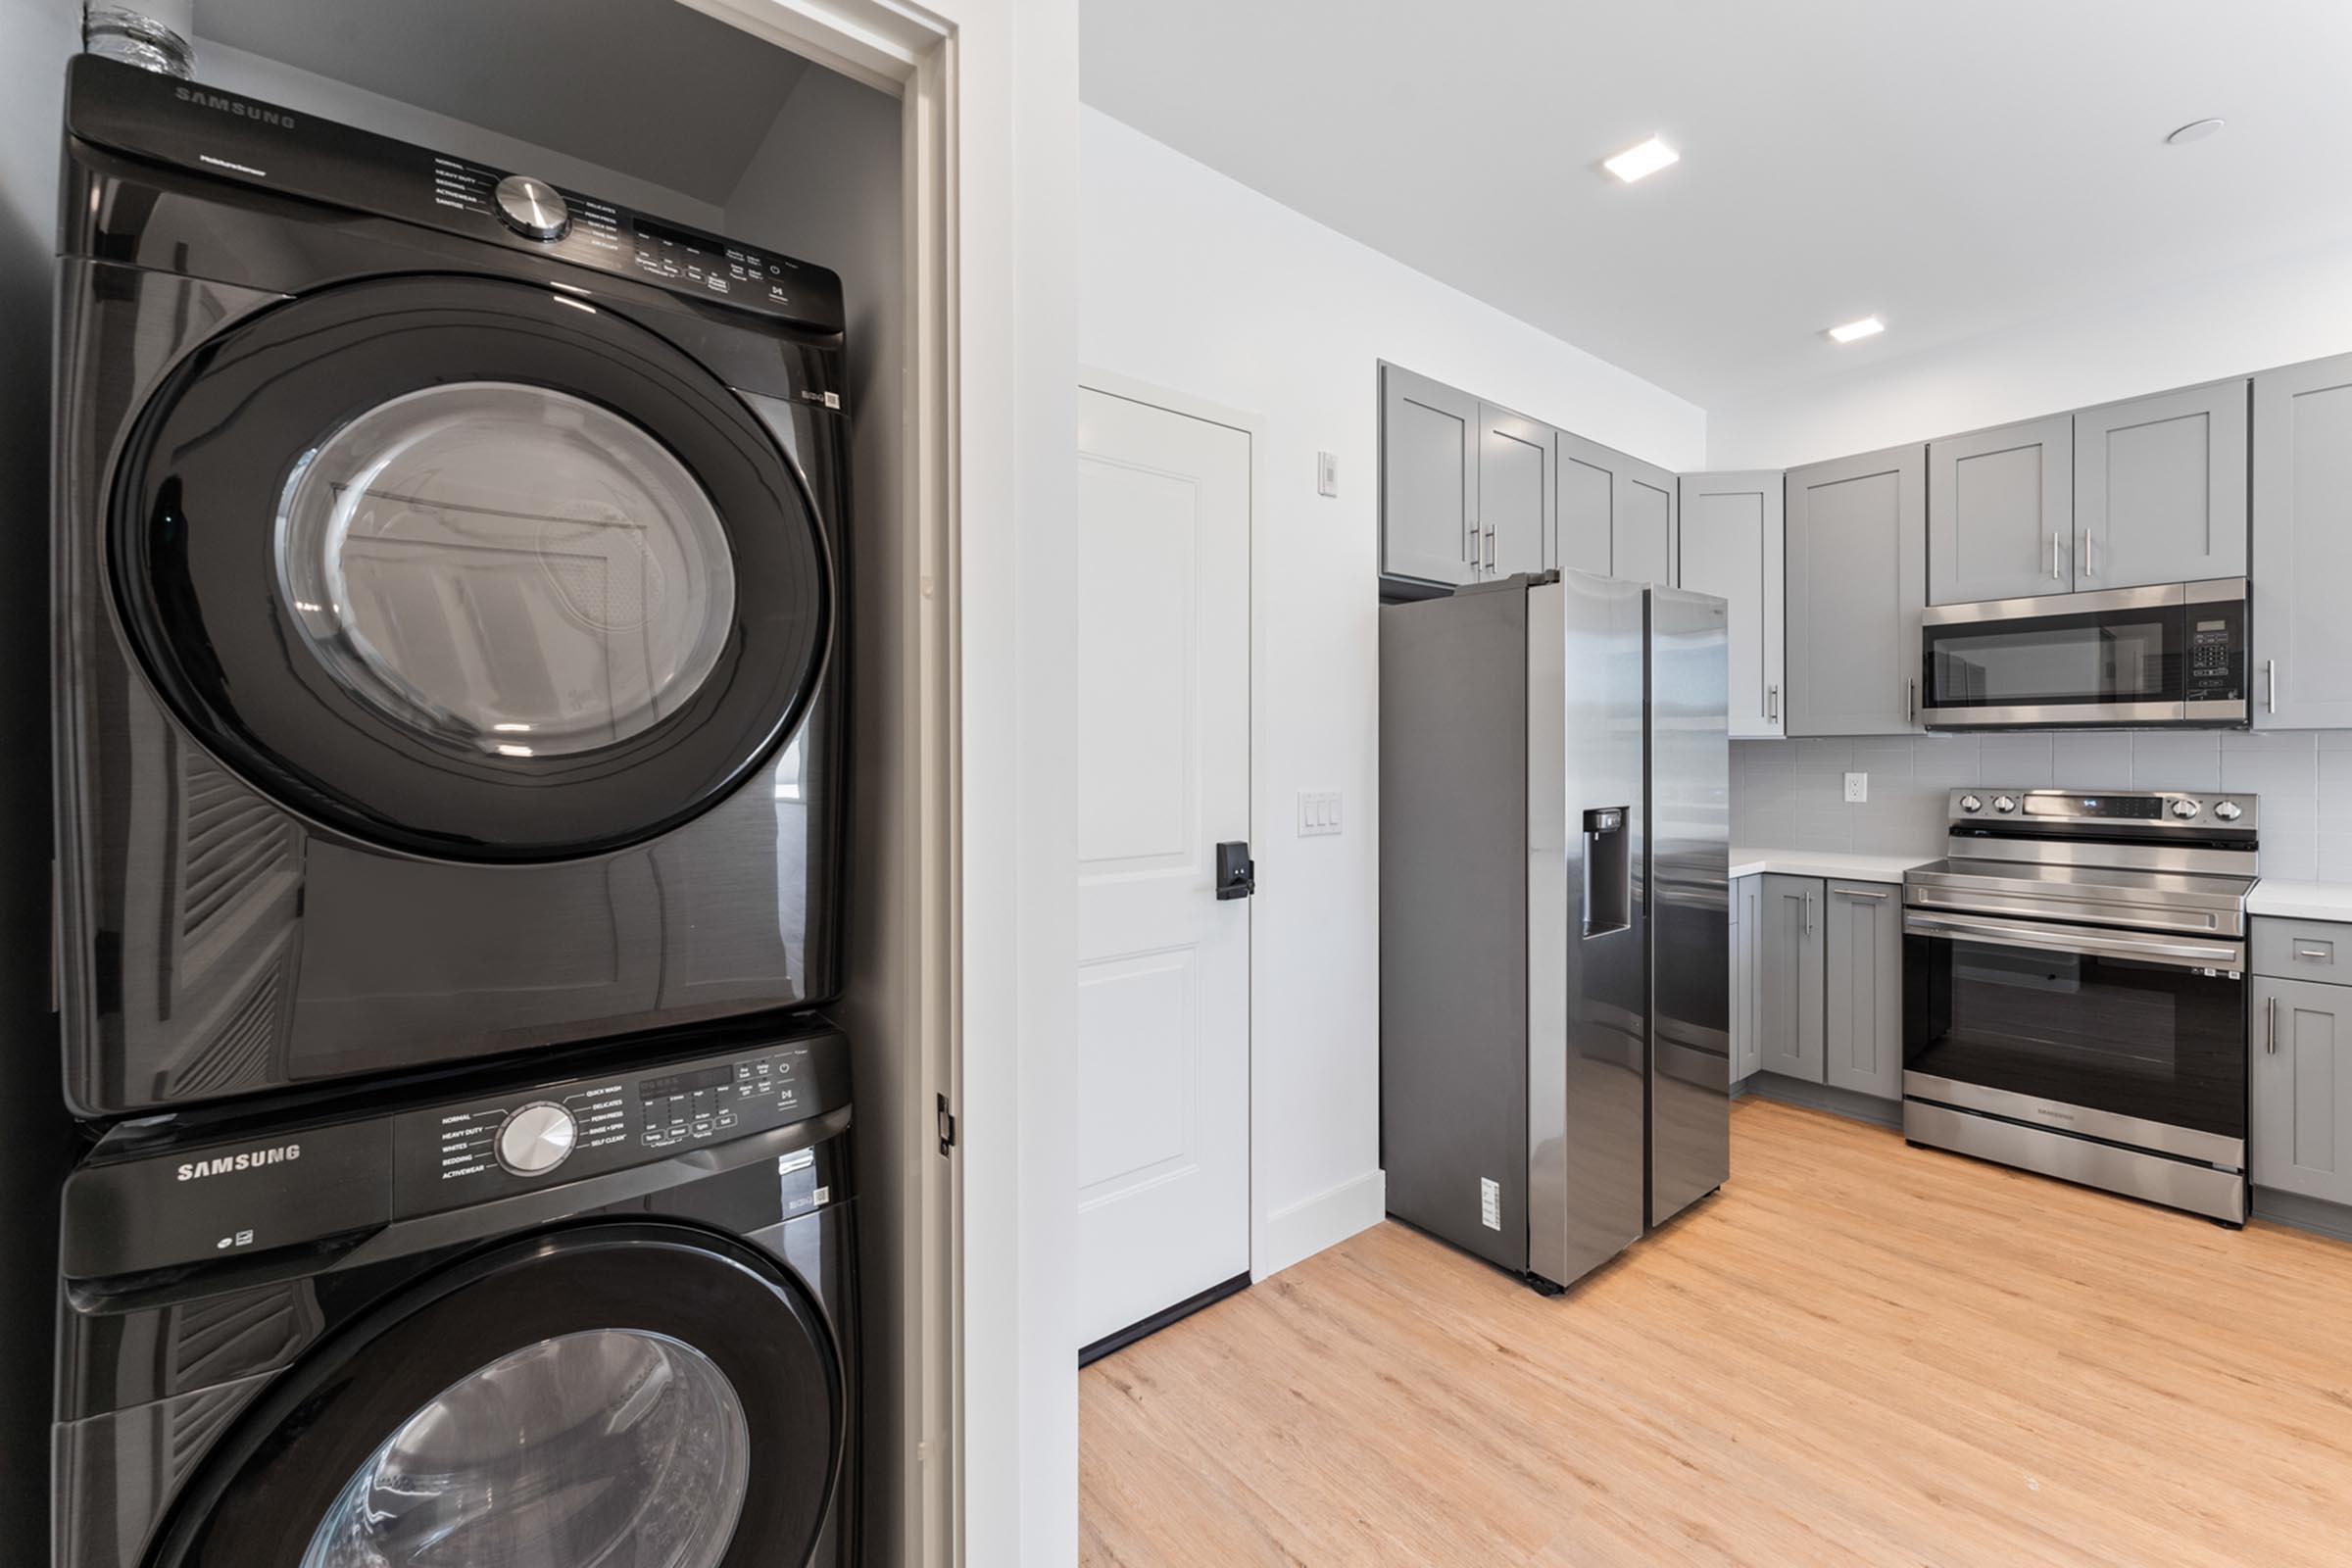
x,y
1554,915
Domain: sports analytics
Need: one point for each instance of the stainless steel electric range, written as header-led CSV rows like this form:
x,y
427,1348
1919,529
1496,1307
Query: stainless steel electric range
x,y
2074,990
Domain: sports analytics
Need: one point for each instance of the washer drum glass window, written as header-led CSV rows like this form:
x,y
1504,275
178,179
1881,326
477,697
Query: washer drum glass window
x,y
613,1447
508,566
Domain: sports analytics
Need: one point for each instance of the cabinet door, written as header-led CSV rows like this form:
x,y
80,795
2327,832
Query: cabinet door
x,y
2303,546
1514,490
2160,488
1428,480
1642,534
1584,514
2300,1098
1747,922
2000,512
1857,581
1862,984
1789,977
1731,548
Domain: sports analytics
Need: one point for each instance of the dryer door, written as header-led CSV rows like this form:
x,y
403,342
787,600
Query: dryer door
x,y
470,568
627,1396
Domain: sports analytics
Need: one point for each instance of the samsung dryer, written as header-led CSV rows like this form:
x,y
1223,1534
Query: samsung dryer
x,y
609,1318
448,598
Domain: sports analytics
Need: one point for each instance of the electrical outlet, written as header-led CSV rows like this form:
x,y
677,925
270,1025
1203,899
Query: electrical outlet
x,y
1327,474
1857,788
1318,812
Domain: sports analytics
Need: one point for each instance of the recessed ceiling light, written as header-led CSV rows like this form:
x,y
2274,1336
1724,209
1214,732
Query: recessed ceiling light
x,y
1867,326
2194,131
1634,163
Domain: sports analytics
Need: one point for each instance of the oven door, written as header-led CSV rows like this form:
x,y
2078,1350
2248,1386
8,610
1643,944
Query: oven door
x,y
2119,656
2131,1037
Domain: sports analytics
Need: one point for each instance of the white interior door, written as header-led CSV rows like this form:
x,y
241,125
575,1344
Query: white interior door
x,y
1163,964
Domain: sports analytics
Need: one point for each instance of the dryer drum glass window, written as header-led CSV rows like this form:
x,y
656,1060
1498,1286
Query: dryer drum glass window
x,y
510,567
469,568
613,1448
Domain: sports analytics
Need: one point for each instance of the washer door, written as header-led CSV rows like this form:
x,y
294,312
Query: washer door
x,y
470,568
618,1396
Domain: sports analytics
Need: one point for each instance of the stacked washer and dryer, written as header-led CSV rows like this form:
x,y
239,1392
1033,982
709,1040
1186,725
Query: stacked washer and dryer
x,y
448,598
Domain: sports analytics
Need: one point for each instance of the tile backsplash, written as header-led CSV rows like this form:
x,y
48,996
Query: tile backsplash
x,y
1790,794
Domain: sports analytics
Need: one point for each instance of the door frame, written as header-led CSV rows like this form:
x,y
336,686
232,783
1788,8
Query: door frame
x,y
1111,383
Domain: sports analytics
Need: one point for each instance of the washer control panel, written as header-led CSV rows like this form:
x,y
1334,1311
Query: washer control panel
x,y
161,1198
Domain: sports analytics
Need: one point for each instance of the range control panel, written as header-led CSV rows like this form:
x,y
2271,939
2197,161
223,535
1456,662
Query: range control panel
x,y
282,1183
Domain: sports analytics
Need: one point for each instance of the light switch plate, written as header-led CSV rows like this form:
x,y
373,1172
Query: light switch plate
x,y
1857,787
1327,474
1318,812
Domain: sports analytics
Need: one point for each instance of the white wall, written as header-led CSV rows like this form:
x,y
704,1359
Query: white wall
x,y
2288,308
1190,280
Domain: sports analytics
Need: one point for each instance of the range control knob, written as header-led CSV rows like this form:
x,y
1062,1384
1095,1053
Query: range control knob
x,y
1970,803
536,1138
2227,810
532,207
2004,802
2185,808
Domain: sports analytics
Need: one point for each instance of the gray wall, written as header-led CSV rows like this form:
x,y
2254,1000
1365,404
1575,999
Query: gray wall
x,y
36,36
1788,794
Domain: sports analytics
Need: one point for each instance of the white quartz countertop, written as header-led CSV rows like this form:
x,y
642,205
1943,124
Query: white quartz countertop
x,y
2303,901
1748,860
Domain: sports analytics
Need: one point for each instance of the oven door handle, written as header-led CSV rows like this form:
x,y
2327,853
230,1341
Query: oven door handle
x,y
2143,946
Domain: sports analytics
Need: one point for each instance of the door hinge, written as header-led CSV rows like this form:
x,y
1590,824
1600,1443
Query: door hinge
x,y
947,1126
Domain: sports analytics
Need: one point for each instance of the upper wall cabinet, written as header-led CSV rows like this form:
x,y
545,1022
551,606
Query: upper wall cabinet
x,y
1514,492
2303,546
1730,547
1429,454
2160,488
1642,534
1586,512
1616,514
2001,513
1857,582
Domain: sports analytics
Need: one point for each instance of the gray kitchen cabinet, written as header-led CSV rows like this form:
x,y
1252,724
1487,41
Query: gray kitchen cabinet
x,y
1788,975
2160,488
2303,546
1585,509
1862,989
1429,450
1748,931
1514,491
1731,546
1642,528
2299,1093
2001,513
1857,544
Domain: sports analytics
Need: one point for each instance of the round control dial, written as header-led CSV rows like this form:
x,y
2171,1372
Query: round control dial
x,y
536,1138
2004,802
1972,802
2185,808
2229,810
532,207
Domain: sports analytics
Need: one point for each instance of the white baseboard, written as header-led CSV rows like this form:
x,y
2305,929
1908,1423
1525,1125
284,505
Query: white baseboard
x,y
1302,1228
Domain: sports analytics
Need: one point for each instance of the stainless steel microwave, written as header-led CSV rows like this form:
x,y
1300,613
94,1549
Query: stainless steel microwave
x,y
2173,654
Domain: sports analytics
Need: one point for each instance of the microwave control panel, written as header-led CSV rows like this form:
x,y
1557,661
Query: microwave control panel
x,y
2217,653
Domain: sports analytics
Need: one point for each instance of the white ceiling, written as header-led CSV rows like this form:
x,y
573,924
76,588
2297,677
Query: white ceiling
x,y
1957,166
649,87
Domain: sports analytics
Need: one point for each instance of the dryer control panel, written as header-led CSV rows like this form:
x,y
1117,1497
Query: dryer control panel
x,y
166,1202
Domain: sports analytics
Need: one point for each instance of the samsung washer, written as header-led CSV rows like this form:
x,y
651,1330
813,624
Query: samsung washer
x,y
607,1318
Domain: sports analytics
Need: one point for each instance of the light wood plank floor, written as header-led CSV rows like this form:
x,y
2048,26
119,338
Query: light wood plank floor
x,y
1857,1352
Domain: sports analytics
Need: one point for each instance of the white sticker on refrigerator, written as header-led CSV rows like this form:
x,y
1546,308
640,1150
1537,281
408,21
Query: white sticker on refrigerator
x,y
1489,1204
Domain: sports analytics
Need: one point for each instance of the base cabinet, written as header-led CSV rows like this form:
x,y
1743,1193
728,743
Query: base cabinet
x,y
1818,981
2299,1089
1862,989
